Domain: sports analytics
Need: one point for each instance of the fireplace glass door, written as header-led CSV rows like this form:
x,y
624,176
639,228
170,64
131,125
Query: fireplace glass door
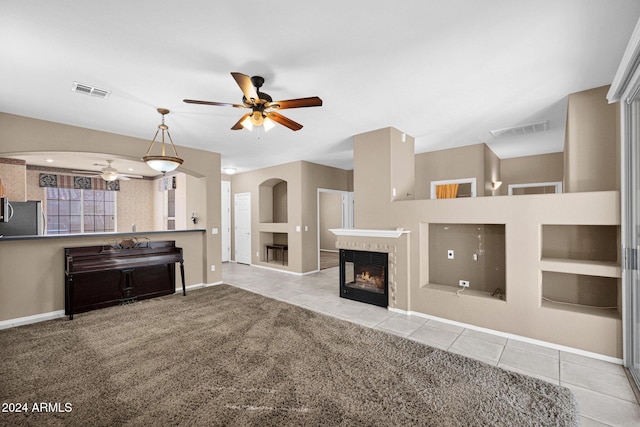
x,y
364,277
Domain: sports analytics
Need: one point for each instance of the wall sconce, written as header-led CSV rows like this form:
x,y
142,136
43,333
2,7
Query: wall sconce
x,y
495,185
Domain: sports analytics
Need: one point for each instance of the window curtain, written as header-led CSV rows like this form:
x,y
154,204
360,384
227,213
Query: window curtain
x,y
78,182
447,191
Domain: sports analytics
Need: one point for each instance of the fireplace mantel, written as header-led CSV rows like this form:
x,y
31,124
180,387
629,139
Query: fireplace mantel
x,y
358,232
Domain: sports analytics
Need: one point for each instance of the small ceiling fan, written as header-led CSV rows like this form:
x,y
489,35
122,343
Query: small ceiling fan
x,y
109,173
262,105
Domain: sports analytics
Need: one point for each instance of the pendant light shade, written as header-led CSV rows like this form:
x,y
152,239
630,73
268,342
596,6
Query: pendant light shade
x,y
162,163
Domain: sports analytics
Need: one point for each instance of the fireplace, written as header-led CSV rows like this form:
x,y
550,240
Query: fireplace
x,y
364,276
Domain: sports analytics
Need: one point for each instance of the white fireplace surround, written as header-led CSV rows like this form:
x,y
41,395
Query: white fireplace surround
x,y
358,232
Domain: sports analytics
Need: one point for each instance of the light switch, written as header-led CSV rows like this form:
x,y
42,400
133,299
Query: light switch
x,y
298,228
214,231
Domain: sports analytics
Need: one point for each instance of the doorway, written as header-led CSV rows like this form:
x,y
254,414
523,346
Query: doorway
x,y
242,217
335,210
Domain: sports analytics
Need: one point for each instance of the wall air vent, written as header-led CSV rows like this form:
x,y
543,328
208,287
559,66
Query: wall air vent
x,y
90,90
521,129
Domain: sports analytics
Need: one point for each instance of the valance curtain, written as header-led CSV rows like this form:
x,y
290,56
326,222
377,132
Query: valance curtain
x,y
77,182
447,191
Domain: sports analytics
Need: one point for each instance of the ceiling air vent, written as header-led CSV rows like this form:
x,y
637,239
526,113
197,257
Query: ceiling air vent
x,y
521,129
90,90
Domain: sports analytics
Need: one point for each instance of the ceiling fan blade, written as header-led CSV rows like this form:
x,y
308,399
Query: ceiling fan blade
x,y
284,121
238,125
221,104
246,86
312,101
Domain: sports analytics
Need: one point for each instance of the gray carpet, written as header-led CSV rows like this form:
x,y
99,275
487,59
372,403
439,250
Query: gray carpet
x,y
223,356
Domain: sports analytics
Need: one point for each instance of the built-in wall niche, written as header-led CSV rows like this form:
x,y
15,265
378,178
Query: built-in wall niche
x,y
581,292
273,203
474,253
275,248
581,242
580,268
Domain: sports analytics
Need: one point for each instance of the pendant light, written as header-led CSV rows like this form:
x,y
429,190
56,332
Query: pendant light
x,y
162,163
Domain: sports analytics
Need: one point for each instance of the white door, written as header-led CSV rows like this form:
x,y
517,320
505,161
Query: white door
x,y
242,216
225,225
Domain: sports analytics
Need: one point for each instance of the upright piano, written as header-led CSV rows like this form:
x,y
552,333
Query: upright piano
x,y
102,276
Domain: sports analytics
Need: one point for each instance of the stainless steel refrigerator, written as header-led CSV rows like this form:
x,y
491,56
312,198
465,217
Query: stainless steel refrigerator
x,y
25,219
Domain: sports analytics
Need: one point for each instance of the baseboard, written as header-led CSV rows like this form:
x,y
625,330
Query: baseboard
x,y
295,273
42,317
27,320
513,337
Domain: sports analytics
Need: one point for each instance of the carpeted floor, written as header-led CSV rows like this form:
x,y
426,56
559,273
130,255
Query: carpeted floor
x,y
225,356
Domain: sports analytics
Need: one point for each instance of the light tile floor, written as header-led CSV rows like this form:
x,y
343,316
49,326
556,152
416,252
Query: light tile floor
x,y
603,392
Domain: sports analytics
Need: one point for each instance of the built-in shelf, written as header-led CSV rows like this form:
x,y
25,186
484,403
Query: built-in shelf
x,y
358,232
461,291
580,269
592,311
273,227
591,268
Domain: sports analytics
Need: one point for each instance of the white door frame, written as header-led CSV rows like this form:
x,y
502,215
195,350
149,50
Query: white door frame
x,y
244,258
347,213
225,221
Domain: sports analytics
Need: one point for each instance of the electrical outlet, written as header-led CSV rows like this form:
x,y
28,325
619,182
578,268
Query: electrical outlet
x,y
213,267
450,254
258,254
464,283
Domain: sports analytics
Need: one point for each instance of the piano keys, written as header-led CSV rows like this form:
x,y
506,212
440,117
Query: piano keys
x,y
103,276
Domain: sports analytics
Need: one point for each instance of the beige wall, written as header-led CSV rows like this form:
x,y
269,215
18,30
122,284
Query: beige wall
x,y
592,145
492,171
33,270
24,135
531,169
12,175
523,313
330,217
453,163
303,179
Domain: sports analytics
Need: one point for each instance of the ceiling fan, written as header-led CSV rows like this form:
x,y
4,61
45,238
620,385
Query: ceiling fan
x,y
109,173
262,105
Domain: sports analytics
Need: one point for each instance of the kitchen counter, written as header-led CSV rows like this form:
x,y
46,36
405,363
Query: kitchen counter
x,y
104,235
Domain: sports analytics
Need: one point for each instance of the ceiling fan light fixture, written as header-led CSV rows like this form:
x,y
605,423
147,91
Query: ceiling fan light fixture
x,y
162,163
109,176
268,124
257,119
246,123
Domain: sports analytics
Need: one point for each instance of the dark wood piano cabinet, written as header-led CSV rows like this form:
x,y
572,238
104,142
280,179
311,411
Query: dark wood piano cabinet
x,y
102,276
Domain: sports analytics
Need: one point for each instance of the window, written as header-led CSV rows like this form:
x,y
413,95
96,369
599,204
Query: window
x,y
466,187
80,211
535,188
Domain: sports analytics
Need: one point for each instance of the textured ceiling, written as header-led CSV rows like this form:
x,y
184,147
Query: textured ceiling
x,y
446,72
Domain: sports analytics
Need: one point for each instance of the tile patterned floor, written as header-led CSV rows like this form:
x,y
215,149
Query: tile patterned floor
x,y
602,389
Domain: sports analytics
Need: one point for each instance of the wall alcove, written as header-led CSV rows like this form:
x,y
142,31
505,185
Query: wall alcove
x,y
273,202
